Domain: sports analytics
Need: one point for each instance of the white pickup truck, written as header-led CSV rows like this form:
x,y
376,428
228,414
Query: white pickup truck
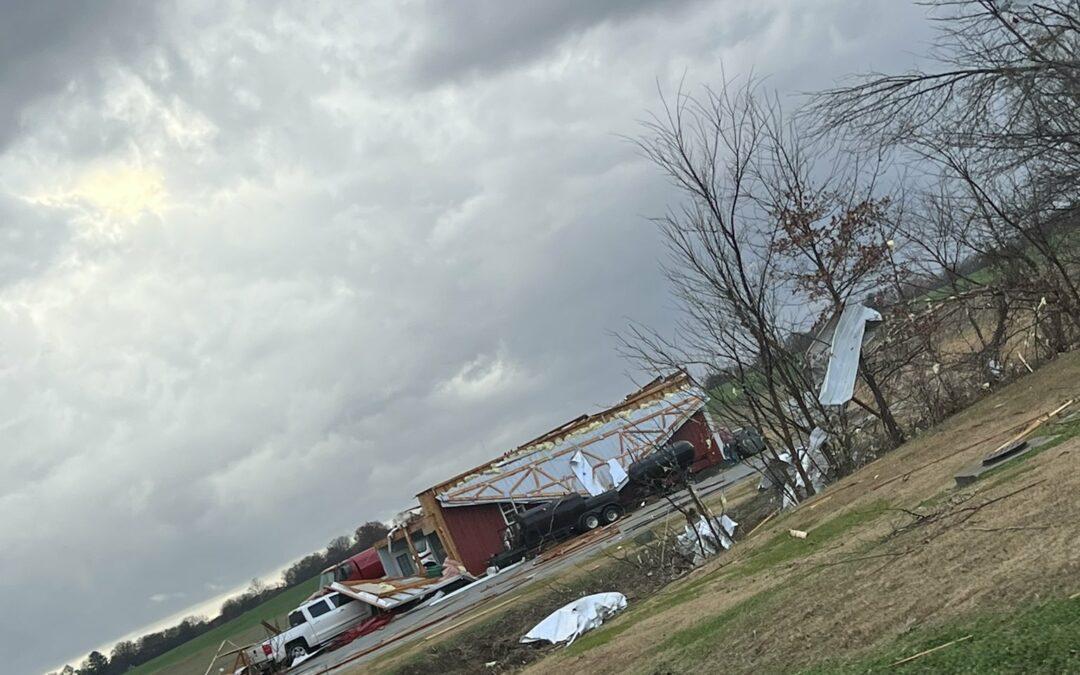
x,y
311,626
317,622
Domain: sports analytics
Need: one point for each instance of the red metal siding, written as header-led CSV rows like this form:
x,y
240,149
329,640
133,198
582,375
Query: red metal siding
x,y
477,532
696,430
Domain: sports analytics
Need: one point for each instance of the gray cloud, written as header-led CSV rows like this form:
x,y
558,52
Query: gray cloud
x,y
484,36
30,240
46,46
263,282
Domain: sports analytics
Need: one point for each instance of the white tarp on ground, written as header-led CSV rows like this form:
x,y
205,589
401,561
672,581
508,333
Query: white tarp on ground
x,y
839,384
691,544
569,622
585,475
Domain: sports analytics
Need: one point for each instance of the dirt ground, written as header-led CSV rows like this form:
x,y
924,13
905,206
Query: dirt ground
x,y
894,547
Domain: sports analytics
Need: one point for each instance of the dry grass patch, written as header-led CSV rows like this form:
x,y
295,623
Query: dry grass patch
x,y
1000,543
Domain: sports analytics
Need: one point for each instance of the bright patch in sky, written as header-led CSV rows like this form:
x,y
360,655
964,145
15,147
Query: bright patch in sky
x,y
123,191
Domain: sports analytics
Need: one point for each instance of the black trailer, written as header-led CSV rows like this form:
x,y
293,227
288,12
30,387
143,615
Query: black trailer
x,y
663,469
555,521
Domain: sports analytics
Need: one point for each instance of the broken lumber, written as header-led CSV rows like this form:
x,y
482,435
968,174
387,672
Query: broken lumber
x,y
928,651
218,654
1024,361
570,545
1035,424
766,519
468,619
1032,425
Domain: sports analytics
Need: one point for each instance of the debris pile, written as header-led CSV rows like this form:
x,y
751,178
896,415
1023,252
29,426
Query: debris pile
x,y
784,476
704,540
363,628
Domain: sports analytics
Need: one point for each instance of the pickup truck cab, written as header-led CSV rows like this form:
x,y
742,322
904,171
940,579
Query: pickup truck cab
x,y
314,624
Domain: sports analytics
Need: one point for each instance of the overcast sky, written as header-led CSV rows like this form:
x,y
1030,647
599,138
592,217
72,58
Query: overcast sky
x,y
267,271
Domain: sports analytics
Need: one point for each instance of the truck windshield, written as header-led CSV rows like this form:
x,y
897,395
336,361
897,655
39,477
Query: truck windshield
x,y
296,618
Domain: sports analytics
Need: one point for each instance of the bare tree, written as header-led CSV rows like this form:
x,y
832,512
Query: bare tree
x,y
971,247
994,125
774,237
833,237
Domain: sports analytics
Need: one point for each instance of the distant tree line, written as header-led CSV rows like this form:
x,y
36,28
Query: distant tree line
x,y
130,653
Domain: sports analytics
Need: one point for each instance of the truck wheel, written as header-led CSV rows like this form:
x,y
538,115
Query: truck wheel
x,y
590,521
612,513
295,650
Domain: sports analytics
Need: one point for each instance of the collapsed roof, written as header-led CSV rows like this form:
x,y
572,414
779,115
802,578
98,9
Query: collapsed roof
x,y
541,470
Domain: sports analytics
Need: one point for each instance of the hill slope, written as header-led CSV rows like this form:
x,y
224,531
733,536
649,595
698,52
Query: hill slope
x,y
898,560
193,656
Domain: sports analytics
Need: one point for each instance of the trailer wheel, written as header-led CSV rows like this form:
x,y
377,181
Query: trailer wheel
x,y
612,513
590,521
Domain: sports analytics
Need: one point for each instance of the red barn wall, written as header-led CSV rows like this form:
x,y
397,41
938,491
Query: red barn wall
x,y
696,431
477,532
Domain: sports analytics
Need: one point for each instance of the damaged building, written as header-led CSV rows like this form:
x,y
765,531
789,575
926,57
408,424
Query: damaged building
x,y
464,517
410,545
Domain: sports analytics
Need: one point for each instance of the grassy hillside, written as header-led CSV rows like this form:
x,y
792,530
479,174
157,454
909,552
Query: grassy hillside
x,y
897,560
194,655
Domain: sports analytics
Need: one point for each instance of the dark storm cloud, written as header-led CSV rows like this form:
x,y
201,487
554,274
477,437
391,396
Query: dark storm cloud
x,y
45,46
475,37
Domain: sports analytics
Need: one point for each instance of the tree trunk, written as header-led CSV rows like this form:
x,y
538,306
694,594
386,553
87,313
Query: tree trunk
x,y
887,419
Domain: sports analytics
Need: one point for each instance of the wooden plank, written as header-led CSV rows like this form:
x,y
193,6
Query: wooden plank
x,y
1032,425
767,519
928,651
1035,424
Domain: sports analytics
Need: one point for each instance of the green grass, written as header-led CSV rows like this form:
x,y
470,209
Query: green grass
x,y
704,635
243,629
779,549
783,547
979,277
1042,637
936,500
1060,241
